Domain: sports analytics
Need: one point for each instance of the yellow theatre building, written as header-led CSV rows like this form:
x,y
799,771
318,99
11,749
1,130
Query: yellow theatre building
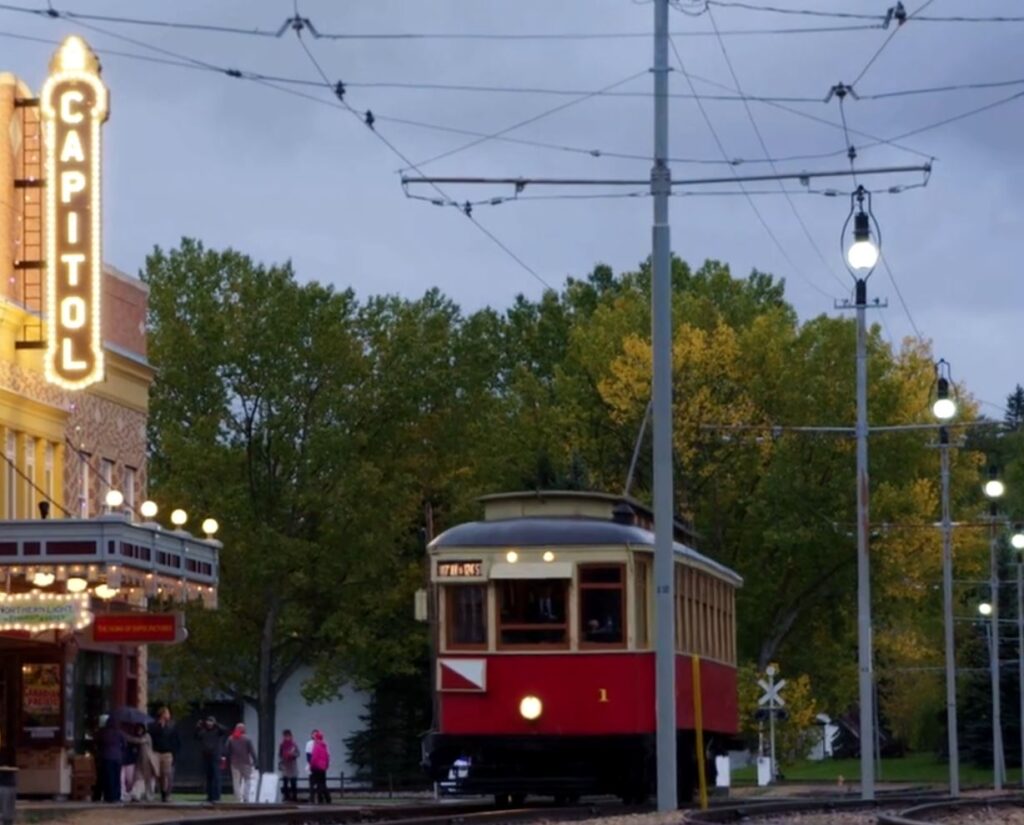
x,y
88,577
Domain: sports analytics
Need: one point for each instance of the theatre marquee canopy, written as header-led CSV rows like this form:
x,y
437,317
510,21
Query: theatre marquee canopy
x,y
109,556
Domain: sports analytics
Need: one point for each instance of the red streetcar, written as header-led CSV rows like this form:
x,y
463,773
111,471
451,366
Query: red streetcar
x,y
545,650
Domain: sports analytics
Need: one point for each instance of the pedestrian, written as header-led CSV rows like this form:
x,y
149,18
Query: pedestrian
x,y
211,737
111,746
288,765
309,754
319,762
147,766
242,758
166,744
131,756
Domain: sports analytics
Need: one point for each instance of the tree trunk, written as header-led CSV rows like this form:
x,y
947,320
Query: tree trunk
x,y
266,709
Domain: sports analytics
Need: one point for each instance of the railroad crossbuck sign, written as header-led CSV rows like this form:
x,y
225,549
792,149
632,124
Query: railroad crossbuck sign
x,y
74,105
771,693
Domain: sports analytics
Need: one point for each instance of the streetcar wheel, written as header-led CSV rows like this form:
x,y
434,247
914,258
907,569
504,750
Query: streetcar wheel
x,y
502,800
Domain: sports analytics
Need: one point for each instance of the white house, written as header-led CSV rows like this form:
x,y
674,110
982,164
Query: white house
x,y
336,720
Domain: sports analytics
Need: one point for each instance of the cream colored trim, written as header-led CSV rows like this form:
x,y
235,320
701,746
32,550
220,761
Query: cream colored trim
x,y
531,570
24,414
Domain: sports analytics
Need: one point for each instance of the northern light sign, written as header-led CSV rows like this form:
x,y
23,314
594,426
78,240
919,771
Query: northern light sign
x,y
74,106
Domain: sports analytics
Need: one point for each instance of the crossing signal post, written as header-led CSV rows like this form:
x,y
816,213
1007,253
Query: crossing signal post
x,y
771,704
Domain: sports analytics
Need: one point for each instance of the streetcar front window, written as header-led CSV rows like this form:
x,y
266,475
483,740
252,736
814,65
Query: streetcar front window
x,y
466,611
532,612
601,605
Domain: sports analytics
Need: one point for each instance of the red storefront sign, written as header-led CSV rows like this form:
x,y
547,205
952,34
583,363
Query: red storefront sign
x,y
136,628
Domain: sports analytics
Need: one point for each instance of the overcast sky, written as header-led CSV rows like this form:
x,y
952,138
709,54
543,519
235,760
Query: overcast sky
x,y
236,163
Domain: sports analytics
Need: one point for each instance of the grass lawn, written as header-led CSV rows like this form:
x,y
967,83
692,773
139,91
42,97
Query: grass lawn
x,y
918,768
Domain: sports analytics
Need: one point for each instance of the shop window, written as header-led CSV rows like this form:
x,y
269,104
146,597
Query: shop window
x,y
129,488
106,479
466,615
41,701
533,612
602,602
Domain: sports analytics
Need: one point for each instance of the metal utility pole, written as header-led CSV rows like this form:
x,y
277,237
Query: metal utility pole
x,y
998,764
1020,652
661,340
866,680
947,603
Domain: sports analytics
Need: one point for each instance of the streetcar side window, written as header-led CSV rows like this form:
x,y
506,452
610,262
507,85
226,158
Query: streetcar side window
x,y
602,602
466,614
641,574
533,612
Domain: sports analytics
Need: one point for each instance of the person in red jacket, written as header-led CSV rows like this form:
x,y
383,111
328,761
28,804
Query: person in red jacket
x,y
319,762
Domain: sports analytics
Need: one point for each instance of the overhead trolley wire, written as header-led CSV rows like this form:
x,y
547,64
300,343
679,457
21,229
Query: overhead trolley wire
x,y
764,148
757,212
888,40
50,11
368,120
883,19
533,119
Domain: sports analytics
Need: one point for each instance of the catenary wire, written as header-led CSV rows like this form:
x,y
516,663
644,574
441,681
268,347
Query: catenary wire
x,y
401,156
767,154
899,295
881,18
888,40
50,11
760,217
532,119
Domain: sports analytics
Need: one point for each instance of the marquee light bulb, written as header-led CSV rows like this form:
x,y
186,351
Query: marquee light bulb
x,y
114,499
148,509
179,518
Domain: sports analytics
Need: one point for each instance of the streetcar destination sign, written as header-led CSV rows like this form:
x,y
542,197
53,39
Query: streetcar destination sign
x,y
459,569
74,105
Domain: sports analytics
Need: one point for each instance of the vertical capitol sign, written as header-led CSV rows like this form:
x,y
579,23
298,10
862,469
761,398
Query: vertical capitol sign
x,y
74,106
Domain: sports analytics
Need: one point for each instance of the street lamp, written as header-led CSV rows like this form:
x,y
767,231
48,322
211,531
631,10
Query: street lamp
x,y
1017,542
861,259
994,489
944,409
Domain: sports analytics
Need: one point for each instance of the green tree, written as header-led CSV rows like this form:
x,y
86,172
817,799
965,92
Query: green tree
x,y
258,416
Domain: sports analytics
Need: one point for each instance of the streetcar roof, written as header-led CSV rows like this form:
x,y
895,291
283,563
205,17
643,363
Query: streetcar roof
x,y
553,531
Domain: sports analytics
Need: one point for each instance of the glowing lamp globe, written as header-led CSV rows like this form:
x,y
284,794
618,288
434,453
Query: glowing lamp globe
x,y
530,708
1017,540
106,592
42,579
148,509
944,409
985,609
179,518
210,526
994,488
76,584
115,498
862,255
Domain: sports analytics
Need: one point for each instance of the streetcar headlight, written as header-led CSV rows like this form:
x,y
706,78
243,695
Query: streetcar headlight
x,y
530,708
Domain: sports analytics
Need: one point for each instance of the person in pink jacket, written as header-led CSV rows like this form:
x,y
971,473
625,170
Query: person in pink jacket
x,y
319,762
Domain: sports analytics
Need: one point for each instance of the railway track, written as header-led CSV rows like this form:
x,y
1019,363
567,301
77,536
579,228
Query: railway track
x,y
451,814
889,809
